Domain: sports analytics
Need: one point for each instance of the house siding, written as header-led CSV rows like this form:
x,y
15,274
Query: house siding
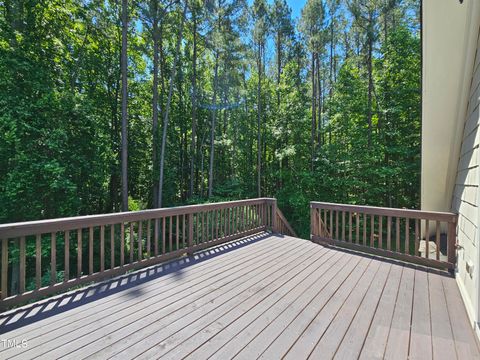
x,y
466,196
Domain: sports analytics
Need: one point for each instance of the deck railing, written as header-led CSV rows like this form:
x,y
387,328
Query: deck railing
x,y
47,256
423,237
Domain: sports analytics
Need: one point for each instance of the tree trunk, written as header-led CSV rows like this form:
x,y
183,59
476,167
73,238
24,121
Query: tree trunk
x,y
194,105
279,66
370,89
167,108
331,59
212,128
314,112
155,110
319,96
124,106
259,119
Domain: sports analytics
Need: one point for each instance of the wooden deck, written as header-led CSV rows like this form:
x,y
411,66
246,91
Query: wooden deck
x,y
262,296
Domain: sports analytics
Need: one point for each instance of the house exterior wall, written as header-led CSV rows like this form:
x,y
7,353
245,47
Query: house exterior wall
x,y
466,198
450,133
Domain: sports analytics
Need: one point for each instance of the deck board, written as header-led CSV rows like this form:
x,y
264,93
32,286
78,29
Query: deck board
x,y
354,338
421,331
377,336
263,296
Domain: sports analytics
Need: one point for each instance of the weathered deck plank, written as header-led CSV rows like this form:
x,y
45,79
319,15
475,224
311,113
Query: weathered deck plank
x,y
421,332
376,339
264,297
399,336
353,340
307,341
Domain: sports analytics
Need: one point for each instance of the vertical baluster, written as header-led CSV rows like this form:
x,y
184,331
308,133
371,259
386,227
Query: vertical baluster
x,y
177,227
407,236
240,217
437,239
337,236
332,235
90,250
349,226
203,227
197,228
427,239
264,212
245,217
38,261
21,281
155,236
140,240
364,229
183,231
4,268
397,235
216,224
267,216
389,233
132,244
112,246
380,232
149,231
102,248
66,274
416,237
170,237
372,230
207,226
53,250
357,228
190,234
122,244
79,250
164,236
343,226
225,225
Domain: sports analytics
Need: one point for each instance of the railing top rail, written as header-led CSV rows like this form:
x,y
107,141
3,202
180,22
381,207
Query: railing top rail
x,y
70,223
374,210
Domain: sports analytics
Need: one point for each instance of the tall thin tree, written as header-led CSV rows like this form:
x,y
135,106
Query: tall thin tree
x,y
124,72
167,106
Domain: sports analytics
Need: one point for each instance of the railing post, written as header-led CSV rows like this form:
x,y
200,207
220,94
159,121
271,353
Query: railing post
x,y
312,219
451,241
274,216
190,235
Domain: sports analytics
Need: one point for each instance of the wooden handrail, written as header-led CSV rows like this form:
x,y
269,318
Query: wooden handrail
x,y
399,233
107,245
72,223
383,211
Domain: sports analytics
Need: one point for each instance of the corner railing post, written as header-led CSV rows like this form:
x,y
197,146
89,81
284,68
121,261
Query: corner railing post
x,y
312,219
451,241
274,216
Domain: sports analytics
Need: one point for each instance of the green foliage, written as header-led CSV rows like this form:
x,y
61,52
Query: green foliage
x,y
60,106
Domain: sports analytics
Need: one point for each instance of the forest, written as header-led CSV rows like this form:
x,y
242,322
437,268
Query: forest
x,y
108,106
